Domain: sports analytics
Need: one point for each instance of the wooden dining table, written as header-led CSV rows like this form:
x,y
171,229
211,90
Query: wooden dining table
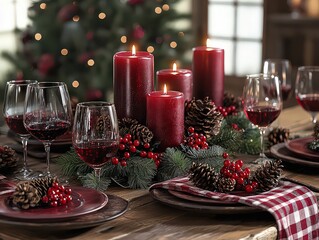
x,y
147,218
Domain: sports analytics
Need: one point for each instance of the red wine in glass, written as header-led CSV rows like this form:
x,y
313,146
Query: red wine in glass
x,y
262,116
97,153
309,102
15,123
48,131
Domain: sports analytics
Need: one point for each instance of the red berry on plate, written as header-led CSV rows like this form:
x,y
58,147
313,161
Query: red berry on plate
x,y
54,203
45,199
254,184
239,162
121,146
240,181
249,188
227,163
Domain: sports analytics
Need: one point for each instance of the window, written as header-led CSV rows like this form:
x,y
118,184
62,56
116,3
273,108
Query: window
x,y
237,27
13,15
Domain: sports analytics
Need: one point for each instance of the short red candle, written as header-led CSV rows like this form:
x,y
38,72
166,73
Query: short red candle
x,y
208,73
165,117
176,79
133,78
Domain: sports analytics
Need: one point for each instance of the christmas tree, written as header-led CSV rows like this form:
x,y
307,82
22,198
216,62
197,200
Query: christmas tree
x,y
74,41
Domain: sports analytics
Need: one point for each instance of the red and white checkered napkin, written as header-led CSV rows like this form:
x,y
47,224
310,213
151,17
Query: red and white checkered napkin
x,y
294,207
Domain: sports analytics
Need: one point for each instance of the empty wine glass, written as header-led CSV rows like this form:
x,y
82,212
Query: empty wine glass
x,y
262,103
282,69
13,111
95,135
307,90
47,113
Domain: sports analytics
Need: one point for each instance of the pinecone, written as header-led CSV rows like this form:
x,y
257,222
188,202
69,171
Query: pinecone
x,y
203,176
8,158
231,100
267,176
26,196
103,124
43,184
137,130
203,116
316,131
126,123
226,184
278,135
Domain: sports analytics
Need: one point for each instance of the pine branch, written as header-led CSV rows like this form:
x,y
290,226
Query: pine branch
x,y
227,138
91,181
251,142
211,156
141,172
173,163
71,165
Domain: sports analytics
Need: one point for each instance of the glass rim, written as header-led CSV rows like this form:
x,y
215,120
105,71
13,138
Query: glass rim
x,y
47,84
95,104
309,68
277,60
260,75
22,82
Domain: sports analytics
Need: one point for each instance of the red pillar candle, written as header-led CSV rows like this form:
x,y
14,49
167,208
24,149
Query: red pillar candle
x,y
176,79
165,117
208,73
133,78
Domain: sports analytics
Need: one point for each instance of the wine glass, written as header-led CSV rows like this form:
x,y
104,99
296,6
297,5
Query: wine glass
x,y
13,111
281,68
307,90
262,103
47,113
95,134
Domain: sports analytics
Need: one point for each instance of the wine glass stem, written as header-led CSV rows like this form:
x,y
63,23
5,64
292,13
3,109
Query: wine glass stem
x,y
262,134
47,147
24,141
97,172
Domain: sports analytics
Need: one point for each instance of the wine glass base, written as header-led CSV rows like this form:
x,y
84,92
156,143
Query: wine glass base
x,y
261,160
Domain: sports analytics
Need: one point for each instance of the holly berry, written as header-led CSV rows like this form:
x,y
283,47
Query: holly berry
x,y
195,140
225,155
115,160
249,188
57,195
123,163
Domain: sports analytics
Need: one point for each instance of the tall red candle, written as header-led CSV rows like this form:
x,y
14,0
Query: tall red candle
x,y
133,78
208,73
165,117
176,79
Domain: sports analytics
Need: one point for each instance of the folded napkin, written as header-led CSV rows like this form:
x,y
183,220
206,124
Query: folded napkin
x,y
294,207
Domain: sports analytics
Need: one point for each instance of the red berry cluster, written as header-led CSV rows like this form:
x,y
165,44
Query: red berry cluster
x,y
57,195
227,110
129,147
234,170
195,140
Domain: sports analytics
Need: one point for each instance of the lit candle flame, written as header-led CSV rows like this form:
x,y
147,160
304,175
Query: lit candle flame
x,y
165,89
174,67
133,50
208,43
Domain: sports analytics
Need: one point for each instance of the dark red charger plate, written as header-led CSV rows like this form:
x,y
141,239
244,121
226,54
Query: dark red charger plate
x,y
163,196
282,152
299,147
115,207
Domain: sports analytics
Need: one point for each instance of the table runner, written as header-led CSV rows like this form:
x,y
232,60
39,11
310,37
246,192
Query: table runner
x,y
294,207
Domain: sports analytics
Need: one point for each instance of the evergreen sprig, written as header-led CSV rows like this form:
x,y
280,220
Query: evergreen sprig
x,y
173,163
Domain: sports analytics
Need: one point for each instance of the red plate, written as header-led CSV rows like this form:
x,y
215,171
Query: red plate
x,y
85,200
299,146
